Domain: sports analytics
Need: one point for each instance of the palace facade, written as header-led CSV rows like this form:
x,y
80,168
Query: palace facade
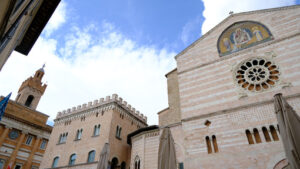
x,y
24,132
80,133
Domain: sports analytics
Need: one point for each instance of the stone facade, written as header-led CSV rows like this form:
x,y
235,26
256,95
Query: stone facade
x,y
109,113
224,122
31,90
24,134
21,23
166,118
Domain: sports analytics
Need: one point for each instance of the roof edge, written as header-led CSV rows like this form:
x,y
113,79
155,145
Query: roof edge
x,y
227,18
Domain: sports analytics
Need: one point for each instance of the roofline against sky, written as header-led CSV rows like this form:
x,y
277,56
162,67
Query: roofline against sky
x,y
233,15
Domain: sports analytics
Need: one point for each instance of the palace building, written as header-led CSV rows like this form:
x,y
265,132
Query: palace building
x,y
23,129
221,111
79,134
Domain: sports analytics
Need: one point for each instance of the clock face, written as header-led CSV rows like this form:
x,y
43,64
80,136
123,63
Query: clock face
x,y
13,134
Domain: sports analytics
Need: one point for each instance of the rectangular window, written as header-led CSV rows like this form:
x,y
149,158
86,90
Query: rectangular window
x,y
118,132
97,130
28,140
63,138
2,162
43,144
79,133
18,166
180,166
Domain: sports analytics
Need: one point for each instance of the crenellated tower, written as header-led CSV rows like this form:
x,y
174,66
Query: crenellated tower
x,y
32,89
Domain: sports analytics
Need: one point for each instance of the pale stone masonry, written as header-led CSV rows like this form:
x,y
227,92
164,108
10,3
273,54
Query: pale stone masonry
x,y
110,113
226,111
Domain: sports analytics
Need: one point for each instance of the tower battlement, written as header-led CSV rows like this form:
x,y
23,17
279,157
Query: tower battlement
x,y
100,102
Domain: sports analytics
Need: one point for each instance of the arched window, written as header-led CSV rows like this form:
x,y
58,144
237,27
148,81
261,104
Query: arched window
x,y
256,136
266,134
118,132
97,130
208,144
79,133
249,137
123,165
29,100
91,157
274,133
242,35
55,162
114,163
214,139
72,159
137,162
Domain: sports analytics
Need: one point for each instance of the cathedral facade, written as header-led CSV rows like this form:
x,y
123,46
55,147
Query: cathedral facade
x,y
221,111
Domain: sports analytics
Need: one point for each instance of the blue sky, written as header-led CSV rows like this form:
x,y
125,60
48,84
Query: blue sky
x,y
96,48
158,23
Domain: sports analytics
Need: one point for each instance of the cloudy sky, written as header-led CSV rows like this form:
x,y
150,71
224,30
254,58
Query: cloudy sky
x,y
96,48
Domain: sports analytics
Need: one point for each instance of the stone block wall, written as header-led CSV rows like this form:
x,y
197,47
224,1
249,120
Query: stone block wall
x,y
206,81
234,150
109,113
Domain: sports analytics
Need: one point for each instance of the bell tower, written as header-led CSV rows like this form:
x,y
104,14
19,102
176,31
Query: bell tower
x,y
32,89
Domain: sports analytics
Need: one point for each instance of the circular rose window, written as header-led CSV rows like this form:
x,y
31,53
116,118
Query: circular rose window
x,y
257,74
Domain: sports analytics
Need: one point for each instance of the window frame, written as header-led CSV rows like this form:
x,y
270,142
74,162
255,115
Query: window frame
x,y
97,130
55,162
2,161
29,140
92,152
79,134
43,144
72,159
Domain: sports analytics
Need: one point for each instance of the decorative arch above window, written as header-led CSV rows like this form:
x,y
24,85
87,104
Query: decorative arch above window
x,y
242,35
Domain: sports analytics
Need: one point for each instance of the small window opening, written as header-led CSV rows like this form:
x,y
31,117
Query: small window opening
x,y
215,144
274,133
256,136
29,100
207,123
208,144
249,137
266,134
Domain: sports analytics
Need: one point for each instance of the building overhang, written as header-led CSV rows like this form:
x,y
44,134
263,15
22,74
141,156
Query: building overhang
x,y
37,25
149,128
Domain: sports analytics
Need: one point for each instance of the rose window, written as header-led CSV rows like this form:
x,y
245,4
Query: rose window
x,y
257,74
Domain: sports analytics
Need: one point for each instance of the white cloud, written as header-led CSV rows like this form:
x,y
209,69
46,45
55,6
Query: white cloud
x,y
189,29
217,10
96,62
57,19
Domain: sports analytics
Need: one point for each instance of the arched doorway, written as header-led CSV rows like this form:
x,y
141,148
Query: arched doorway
x,y
114,163
123,165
